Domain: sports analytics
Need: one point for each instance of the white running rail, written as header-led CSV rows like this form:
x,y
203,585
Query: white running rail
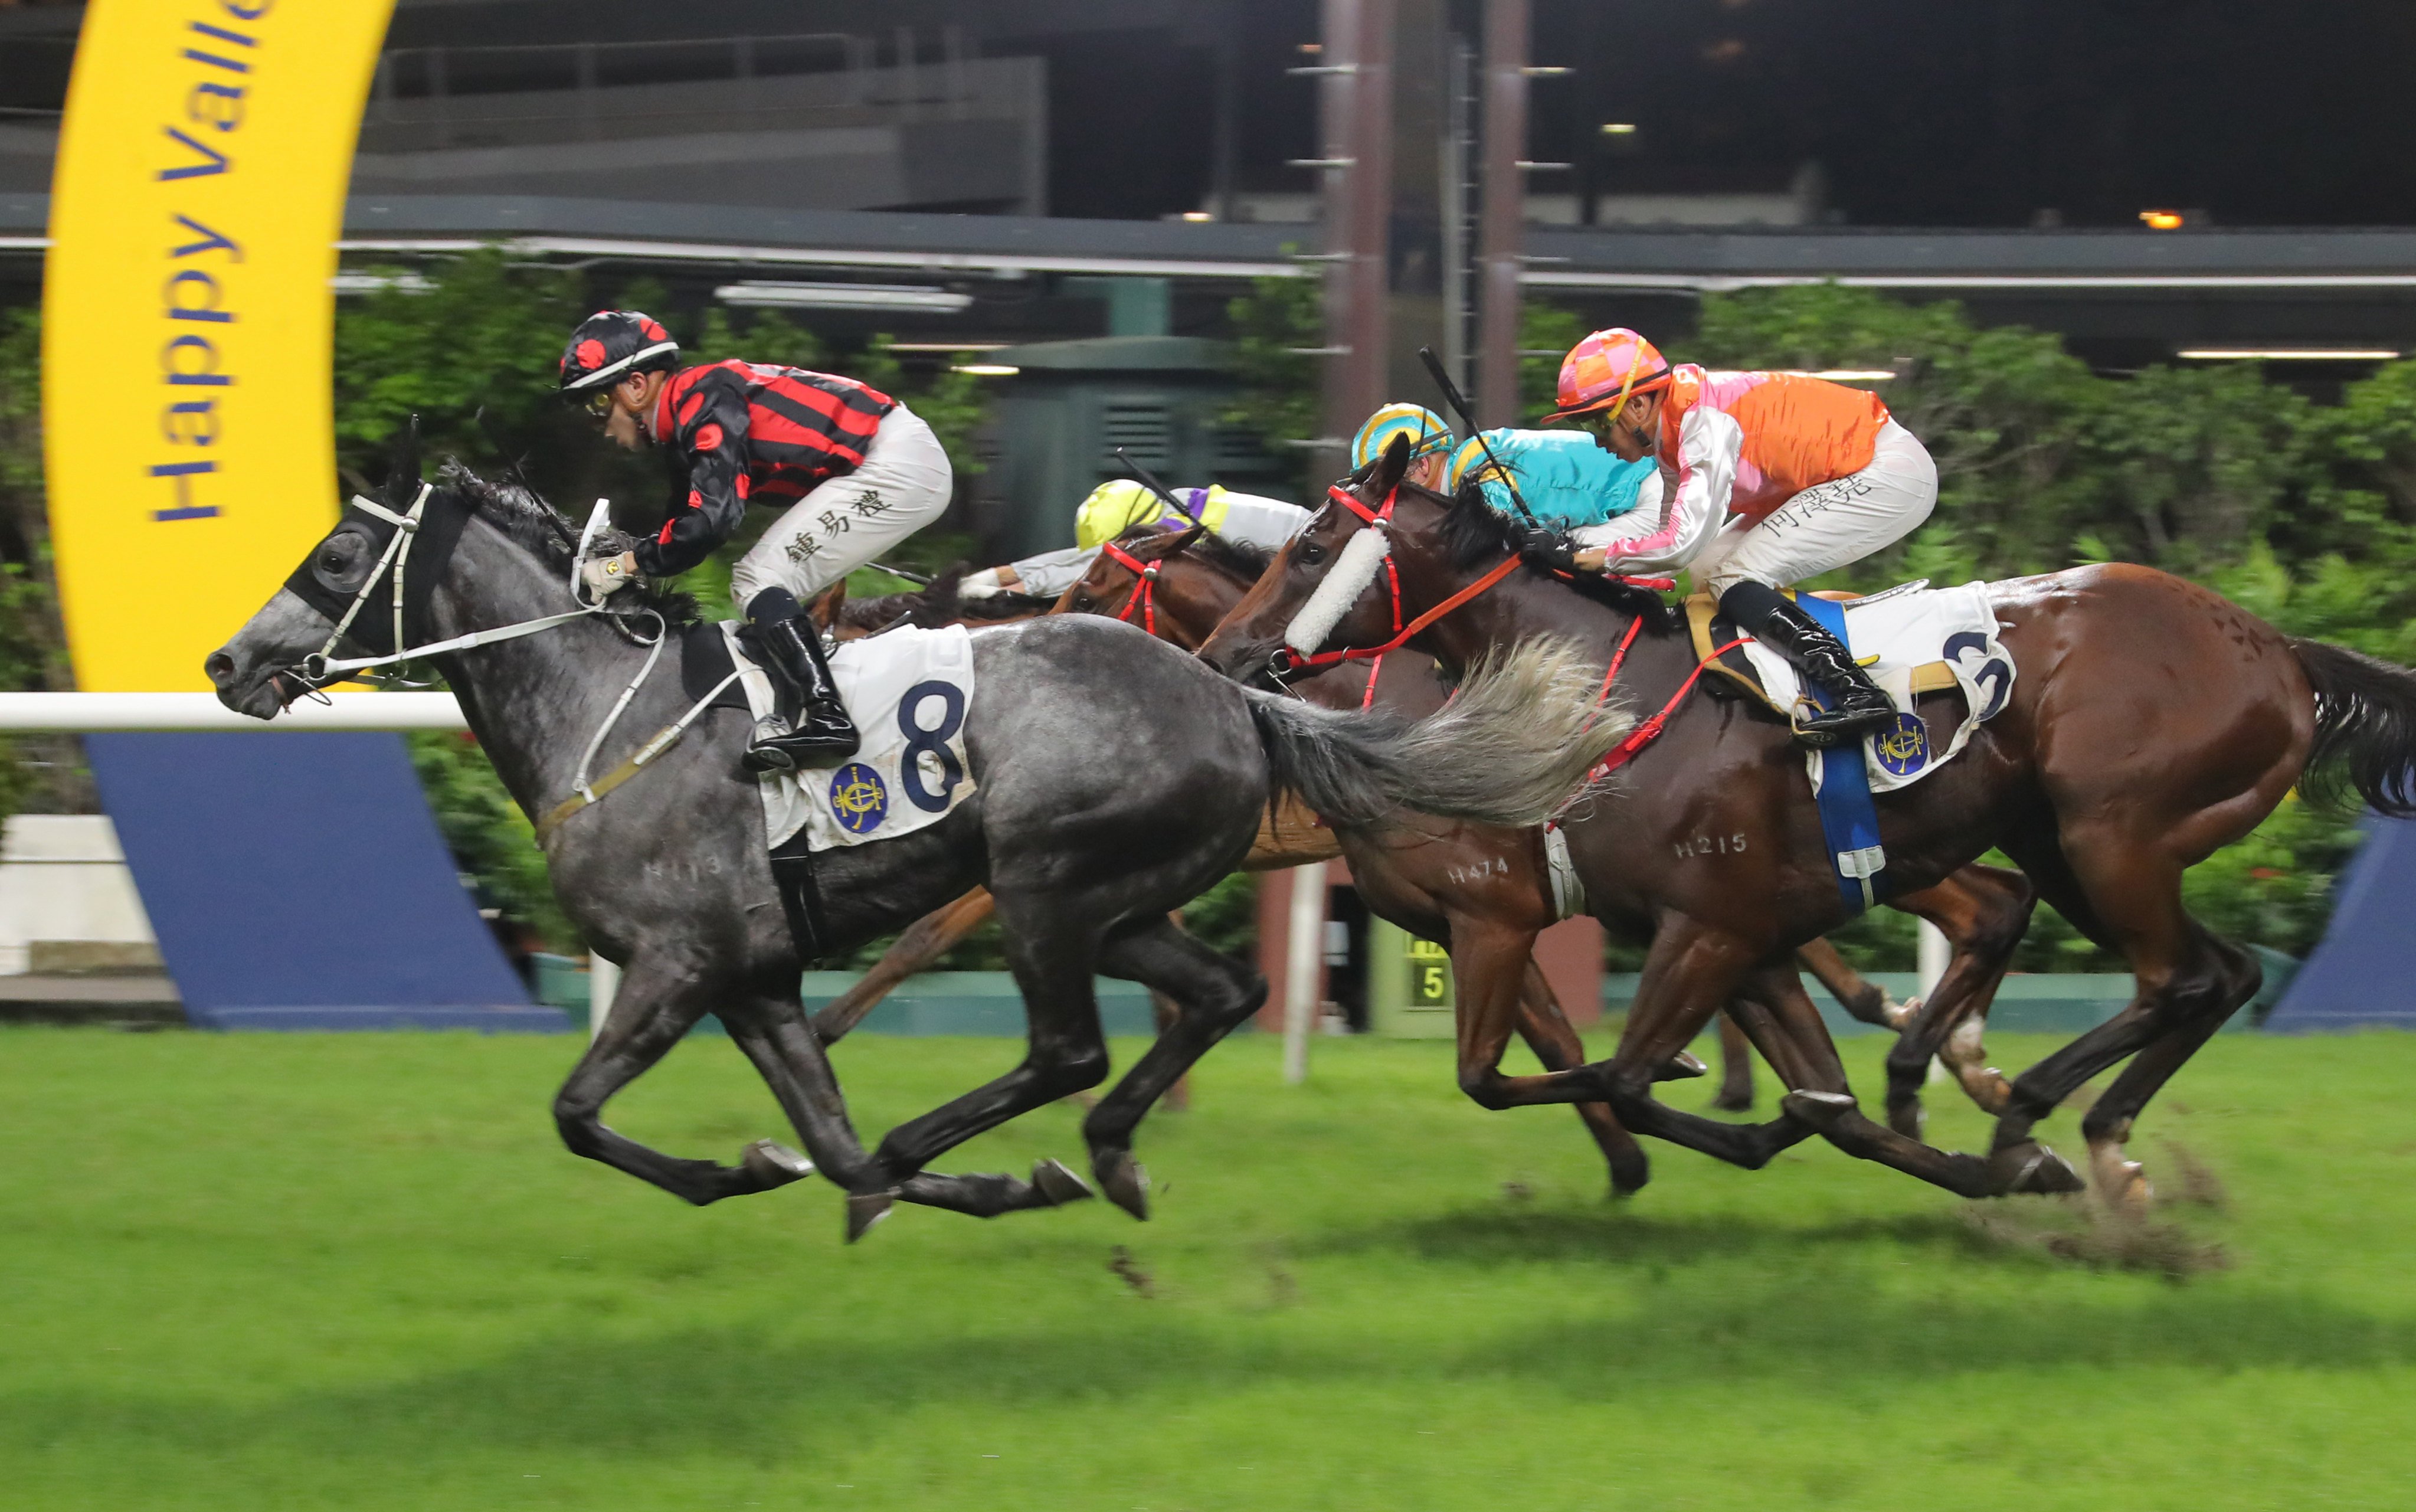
x,y
94,713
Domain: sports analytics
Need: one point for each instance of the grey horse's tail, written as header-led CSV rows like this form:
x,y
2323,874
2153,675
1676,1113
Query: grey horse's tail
x,y
1512,748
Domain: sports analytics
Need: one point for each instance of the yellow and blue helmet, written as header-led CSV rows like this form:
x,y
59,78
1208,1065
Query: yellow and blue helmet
x,y
1426,430
1469,461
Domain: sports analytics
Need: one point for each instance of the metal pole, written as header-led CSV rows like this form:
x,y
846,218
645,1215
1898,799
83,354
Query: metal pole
x,y
1503,216
603,984
1305,947
1931,952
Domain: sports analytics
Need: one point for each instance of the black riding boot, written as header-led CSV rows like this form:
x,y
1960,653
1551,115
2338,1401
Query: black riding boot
x,y
823,735
1856,705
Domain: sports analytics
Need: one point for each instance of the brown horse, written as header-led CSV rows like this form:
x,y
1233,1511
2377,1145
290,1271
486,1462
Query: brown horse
x,y
2152,722
1184,592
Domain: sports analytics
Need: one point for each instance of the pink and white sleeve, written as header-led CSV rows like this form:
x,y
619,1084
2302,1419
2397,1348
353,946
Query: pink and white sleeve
x,y
1709,445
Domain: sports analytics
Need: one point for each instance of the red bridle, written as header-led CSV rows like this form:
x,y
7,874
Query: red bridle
x,y
1143,598
1378,519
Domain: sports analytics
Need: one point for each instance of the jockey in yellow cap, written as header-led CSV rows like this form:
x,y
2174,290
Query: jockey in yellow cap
x,y
1121,505
1816,476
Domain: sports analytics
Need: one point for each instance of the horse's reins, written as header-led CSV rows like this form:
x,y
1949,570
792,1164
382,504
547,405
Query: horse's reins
x,y
320,667
1380,518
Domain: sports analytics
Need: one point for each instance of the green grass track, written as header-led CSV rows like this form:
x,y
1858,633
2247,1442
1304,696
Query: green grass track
x,y
358,1272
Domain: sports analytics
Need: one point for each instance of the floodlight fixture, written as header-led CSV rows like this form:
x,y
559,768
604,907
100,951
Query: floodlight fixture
x,y
844,296
2289,354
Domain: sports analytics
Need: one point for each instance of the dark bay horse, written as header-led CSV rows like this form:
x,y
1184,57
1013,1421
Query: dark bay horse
x,y
1115,778
1191,582
2151,722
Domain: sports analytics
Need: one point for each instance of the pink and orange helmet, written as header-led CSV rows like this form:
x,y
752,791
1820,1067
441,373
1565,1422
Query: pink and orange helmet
x,y
1602,371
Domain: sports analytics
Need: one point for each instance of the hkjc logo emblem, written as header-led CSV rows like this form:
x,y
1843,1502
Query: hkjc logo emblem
x,y
1904,749
859,799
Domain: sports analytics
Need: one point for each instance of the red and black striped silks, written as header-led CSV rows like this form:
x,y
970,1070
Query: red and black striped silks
x,y
753,434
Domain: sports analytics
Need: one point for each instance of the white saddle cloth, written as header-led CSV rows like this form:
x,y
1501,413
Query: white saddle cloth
x,y
1907,627
908,690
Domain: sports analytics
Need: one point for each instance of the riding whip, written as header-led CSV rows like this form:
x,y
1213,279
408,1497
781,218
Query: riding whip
x,y
1459,402
1149,480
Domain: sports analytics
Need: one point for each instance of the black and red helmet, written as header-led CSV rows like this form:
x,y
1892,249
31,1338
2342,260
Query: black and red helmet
x,y
612,344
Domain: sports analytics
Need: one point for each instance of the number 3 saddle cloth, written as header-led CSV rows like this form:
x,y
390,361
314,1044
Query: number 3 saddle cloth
x,y
1915,640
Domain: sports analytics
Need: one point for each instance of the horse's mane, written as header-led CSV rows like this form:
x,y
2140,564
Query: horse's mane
x,y
939,604
531,523
1223,553
1476,535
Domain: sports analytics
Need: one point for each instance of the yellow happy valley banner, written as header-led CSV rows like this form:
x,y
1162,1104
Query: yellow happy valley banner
x,y
188,318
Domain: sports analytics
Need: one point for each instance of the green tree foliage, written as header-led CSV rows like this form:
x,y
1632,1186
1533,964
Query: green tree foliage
x,y
1279,400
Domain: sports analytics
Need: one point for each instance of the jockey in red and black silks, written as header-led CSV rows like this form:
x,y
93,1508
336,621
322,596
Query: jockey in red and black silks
x,y
855,471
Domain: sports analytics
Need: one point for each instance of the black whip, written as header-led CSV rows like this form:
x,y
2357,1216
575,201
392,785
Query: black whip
x,y
1459,402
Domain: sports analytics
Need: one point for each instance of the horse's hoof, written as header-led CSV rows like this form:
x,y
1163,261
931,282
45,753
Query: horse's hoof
x,y
1059,1185
1908,1118
1124,1180
864,1209
1895,1016
1822,1110
2031,1167
1682,1066
1730,1101
2122,1186
774,1165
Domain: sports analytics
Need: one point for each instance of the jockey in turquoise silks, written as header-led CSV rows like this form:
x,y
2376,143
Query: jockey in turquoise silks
x,y
1568,483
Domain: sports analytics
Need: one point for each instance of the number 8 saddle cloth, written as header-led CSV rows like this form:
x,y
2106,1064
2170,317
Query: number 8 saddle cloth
x,y
1915,640
908,689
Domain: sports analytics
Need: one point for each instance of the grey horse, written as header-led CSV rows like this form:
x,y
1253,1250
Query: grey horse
x,y
1116,779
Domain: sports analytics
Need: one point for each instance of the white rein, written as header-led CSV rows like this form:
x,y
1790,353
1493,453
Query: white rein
x,y
321,666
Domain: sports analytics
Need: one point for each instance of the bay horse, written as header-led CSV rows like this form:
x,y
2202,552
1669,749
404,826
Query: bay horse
x,y
2151,722
1115,778
1182,586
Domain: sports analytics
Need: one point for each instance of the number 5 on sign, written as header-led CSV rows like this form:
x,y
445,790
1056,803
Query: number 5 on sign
x,y
1429,975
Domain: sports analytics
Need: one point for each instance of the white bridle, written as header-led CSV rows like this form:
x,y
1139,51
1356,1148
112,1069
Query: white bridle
x,y
320,666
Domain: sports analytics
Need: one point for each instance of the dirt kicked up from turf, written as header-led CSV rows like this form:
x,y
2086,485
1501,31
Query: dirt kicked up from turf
x,y
358,1272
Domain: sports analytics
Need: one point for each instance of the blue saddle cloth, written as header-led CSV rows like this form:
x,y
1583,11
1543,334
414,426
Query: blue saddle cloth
x,y
1848,819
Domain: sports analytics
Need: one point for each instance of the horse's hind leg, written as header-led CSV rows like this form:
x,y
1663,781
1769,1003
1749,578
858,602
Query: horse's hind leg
x,y
1213,994
2189,982
649,1013
1051,947
1983,911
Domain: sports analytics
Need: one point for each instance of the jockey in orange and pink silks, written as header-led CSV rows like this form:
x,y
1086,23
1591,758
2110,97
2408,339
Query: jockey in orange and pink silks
x,y
1815,474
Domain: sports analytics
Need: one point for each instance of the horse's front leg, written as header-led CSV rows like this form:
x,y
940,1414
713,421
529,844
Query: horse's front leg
x,y
1546,1028
653,1009
1788,1029
1690,973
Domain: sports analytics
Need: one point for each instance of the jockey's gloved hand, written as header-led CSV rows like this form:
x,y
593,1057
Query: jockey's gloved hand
x,y
604,575
1548,549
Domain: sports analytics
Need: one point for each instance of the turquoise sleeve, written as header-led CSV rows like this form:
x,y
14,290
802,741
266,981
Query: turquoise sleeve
x,y
1566,479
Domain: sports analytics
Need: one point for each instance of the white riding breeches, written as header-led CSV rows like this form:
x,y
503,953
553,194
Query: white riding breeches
x,y
1829,524
902,486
